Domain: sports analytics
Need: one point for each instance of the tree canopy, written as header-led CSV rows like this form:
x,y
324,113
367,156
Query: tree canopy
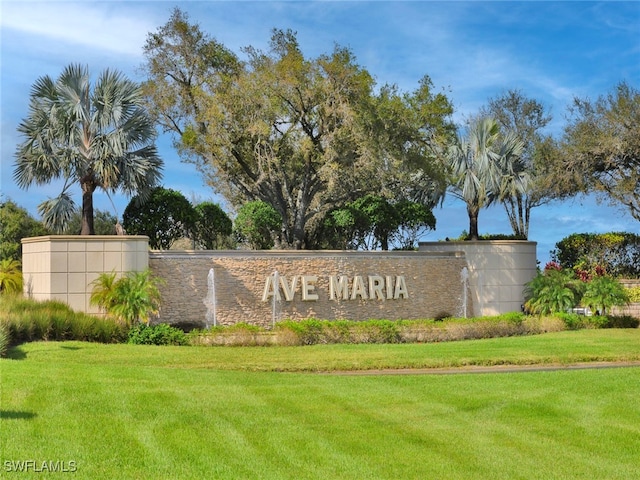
x,y
165,215
15,224
616,253
98,136
104,223
258,225
212,228
304,135
601,148
373,222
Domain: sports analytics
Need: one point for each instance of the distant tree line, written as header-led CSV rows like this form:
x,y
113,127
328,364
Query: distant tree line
x,y
307,152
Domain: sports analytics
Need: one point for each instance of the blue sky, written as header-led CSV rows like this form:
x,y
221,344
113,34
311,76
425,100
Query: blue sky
x,y
551,51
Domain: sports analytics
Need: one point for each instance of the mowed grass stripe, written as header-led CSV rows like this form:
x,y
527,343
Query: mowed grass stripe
x,y
563,348
124,411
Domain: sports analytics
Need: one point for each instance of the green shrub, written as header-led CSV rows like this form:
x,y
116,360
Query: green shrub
x,y
307,332
516,318
572,321
634,294
313,331
595,321
339,331
622,321
160,334
239,335
378,331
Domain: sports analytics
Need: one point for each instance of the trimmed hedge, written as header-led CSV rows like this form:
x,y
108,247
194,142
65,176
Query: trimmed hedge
x,y
314,331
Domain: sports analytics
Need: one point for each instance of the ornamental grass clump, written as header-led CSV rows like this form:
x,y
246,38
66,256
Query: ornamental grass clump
x,y
26,320
4,340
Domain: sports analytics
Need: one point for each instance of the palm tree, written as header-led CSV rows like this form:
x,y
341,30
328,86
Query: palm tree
x,y
479,165
603,293
101,139
553,291
135,297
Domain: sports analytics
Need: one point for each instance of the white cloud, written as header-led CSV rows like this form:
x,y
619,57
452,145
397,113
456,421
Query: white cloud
x,y
94,25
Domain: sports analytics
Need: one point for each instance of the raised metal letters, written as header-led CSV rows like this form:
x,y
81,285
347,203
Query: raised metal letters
x,y
372,287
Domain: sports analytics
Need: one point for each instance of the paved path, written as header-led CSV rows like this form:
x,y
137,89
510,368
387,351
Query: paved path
x,y
488,369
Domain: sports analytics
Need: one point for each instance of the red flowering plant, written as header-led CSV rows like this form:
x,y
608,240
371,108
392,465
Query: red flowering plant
x,y
552,265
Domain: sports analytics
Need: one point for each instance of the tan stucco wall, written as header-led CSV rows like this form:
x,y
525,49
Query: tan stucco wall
x,y
499,270
432,281
62,267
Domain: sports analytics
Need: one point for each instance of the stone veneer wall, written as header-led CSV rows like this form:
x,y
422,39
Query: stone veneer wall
x,y
62,267
432,281
499,270
632,309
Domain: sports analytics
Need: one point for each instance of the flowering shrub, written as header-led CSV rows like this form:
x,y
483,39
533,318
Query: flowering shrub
x,y
559,290
618,253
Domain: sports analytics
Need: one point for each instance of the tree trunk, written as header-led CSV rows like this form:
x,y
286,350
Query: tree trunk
x,y
384,243
87,208
473,222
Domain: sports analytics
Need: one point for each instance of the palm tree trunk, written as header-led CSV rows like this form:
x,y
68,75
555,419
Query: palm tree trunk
x,y
473,222
87,208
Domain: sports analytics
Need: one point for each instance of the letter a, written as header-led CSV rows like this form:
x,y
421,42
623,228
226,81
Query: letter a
x,y
358,288
401,288
270,289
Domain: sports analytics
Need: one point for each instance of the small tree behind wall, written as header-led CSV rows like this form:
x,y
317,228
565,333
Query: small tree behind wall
x,y
258,225
166,216
213,227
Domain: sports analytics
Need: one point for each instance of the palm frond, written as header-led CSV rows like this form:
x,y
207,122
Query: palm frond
x,y
57,212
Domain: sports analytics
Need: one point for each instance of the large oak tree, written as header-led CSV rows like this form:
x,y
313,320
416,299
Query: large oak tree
x,y
303,135
601,148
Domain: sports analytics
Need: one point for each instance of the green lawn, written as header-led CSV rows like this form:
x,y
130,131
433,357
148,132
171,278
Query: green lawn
x,y
144,412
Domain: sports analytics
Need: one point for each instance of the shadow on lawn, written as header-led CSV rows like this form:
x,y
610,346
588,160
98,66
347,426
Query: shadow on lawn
x,y
16,353
13,415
